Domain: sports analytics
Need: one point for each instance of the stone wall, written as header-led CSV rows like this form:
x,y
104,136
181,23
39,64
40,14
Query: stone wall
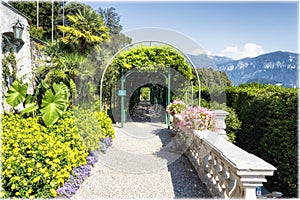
x,y
8,17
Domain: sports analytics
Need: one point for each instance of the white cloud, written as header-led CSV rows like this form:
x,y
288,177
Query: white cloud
x,y
248,50
252,50
197,52
209,53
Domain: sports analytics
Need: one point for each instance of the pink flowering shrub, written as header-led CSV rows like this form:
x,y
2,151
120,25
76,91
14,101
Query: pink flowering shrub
x,y
197,118
193,118
176,107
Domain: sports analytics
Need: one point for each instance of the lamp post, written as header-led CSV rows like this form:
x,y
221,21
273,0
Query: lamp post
x,y
18,30
16,40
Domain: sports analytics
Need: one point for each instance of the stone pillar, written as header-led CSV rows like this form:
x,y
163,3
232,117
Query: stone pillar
x,y
251,180
220,123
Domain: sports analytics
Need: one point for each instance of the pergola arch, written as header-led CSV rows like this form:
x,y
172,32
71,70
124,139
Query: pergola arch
x,y
150,42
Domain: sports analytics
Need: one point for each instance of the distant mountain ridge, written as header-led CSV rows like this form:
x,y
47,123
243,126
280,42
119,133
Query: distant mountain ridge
x,y
272,68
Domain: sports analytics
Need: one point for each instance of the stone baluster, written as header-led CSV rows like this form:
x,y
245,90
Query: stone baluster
x,y
220,123
228,171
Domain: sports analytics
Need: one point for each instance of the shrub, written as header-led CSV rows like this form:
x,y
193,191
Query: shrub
x,y
93,127
176,107
105,125
269,130
233,124
279,143
36,160
197,118
88,127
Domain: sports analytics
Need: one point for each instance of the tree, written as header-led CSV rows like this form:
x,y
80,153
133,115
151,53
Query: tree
x,y
71,8
212,78
63,67
86,30
111,19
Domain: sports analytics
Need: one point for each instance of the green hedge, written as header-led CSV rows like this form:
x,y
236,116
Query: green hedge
x,y
36,160
93,126
269,130
233,124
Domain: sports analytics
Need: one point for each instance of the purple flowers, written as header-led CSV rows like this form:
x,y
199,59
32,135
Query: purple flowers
x,y
91,160
105,143
79,174
76,178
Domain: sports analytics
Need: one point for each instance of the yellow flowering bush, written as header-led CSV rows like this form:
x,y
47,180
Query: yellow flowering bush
x,y
88,127
105,124
36,160
93,126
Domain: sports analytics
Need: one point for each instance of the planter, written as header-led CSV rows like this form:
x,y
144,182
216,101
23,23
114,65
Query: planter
x,y
176,118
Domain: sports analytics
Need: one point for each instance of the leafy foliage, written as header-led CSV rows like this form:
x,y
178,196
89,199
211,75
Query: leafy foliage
x,y
30,108
211,78
111,19
88,128
151,58
37,32
72,7
86,29
105,125
269,130
16,93
54,104
93,127
36,160
9,68
145,93
144,59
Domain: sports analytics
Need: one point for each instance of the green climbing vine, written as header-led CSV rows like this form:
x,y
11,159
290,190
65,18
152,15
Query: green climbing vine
x,y
9,67
151,58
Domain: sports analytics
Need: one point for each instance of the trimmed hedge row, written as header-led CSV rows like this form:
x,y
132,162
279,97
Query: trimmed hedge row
x,y
269,130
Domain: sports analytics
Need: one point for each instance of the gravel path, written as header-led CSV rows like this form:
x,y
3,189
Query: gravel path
x,y
141,164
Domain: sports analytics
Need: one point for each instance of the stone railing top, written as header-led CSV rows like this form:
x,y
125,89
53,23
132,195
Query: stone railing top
x,y
244,162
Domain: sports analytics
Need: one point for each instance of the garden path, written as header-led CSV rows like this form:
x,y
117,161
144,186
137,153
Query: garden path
x,y
142,163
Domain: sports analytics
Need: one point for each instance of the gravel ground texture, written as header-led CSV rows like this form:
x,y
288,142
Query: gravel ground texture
x,y
141,164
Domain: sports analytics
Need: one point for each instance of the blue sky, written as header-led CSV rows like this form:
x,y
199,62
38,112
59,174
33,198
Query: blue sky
x,y
234,29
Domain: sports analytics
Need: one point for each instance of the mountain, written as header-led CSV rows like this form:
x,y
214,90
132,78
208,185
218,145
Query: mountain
x,y
221,59
206,61
271,68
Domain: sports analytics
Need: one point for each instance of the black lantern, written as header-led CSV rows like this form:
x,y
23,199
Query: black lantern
x,y
18,30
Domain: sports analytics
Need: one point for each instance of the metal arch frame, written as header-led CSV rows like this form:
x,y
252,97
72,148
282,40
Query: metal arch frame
x,y
148,41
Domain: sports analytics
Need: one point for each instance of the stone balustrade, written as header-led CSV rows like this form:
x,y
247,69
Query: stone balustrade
x,y
227,170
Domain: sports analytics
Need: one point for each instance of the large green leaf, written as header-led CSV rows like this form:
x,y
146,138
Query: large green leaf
x,y
16,93
54,105
44,84
29,108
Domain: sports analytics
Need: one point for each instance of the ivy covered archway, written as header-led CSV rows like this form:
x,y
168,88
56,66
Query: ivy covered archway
x,y
157,58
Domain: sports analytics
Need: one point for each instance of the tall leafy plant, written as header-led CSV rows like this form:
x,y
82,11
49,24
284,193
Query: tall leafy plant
x,y
54,102
16,93
86,30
